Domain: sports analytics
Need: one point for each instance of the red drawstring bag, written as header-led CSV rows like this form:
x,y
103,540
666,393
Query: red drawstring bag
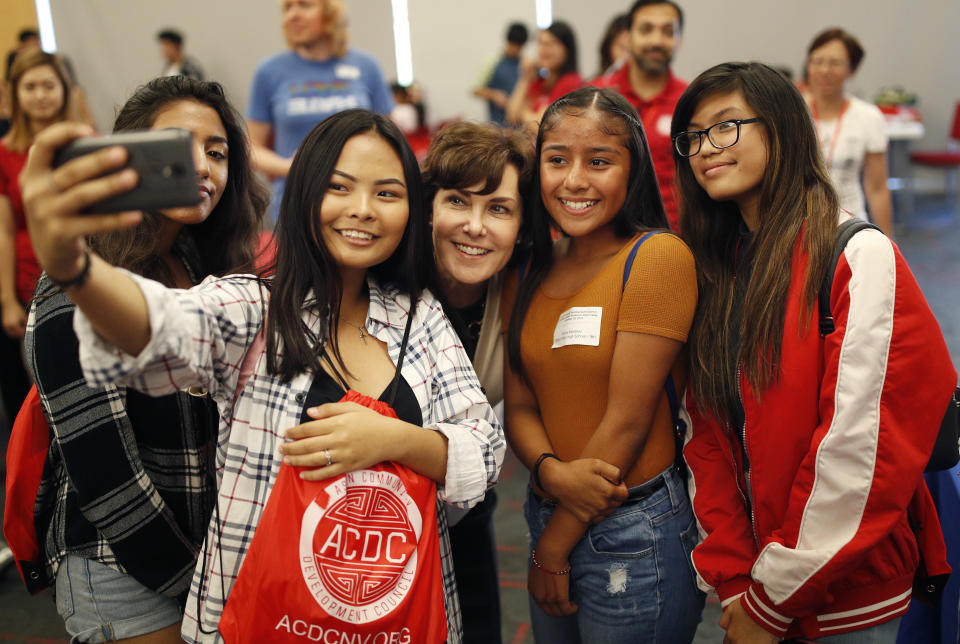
x,y
354,558
26,454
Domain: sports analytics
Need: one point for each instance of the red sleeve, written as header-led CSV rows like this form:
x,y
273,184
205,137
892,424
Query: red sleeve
x,y
4,180
727,549
566,84
887,378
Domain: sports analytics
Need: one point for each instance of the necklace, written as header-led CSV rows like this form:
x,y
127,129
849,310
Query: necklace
x,y
363,332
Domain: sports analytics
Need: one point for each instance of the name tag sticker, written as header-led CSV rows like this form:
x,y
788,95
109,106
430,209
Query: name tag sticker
x,y
349,72
578,325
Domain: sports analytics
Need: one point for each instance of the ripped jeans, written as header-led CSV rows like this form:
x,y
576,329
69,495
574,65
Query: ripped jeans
x,y
631,575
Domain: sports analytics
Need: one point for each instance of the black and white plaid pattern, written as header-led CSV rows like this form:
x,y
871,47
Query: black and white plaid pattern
x,y
125,481
200,337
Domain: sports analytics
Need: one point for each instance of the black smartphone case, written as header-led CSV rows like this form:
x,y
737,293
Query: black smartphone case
x,y
163,160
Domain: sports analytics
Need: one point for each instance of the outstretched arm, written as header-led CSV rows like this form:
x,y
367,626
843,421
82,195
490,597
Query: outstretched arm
x,y
52,199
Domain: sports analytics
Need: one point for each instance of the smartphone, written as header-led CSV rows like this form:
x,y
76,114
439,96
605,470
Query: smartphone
x,y
163,160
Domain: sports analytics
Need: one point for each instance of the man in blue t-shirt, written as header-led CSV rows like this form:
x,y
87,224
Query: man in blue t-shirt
x,y
499,77
294,90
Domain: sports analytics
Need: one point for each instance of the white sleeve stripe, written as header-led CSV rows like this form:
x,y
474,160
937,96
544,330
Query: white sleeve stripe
x,y
766,609
846,457
866,609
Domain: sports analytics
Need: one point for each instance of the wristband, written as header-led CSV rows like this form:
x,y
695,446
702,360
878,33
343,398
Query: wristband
x,y
533,556
80,278
536,467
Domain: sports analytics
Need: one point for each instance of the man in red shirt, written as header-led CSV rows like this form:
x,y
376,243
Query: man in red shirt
x,y
647,82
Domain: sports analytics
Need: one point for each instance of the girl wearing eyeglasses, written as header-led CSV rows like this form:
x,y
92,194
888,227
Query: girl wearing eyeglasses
x,y
596,332
804,450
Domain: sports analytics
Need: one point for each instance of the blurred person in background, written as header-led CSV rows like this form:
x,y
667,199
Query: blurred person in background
x,y
27,40
41,97
500,75
852,132
615,45
554,73
177,63
296,89
648,83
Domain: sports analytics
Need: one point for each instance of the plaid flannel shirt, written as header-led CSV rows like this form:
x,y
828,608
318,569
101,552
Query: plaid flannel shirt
x,y
126,482
200,337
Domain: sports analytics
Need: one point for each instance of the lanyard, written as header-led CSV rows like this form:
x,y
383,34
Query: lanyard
x,y
836,130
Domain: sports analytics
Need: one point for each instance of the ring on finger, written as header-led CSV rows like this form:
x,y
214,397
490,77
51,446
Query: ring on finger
x,y
326,453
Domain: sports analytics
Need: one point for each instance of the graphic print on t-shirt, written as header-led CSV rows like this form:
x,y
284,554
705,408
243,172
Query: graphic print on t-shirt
x,y
358,546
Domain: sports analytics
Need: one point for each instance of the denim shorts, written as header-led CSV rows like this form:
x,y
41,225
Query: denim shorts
x,y
631,575
99,604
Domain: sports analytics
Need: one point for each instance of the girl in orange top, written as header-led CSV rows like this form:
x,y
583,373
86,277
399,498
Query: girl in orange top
x,y
589,353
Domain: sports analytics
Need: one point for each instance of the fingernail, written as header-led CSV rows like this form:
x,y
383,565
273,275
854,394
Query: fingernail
x,y
286,459
129,176
116,154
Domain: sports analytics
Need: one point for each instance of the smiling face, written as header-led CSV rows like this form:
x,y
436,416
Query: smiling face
x,y
654,37
550,51
210,154
474,235
302,21
365,209
734,173
40,94
584,171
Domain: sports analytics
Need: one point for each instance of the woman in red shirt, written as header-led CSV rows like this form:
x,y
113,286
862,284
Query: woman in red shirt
x,y
543,81
41,97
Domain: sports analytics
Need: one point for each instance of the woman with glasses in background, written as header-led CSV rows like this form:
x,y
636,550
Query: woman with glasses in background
x,y
804,450
852,132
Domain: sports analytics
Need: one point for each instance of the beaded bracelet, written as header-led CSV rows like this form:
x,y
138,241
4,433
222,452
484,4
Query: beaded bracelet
x,y
80,278
536,467
533,555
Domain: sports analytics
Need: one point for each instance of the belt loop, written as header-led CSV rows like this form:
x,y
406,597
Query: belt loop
x,y
671,477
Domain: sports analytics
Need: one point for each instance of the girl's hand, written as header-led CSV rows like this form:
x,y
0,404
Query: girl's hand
x,y
354,436
530,68
14,319
53,197
741,629
588,487
550,591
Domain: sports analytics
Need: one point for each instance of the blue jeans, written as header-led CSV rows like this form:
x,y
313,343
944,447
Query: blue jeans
x,y
631,575
99,604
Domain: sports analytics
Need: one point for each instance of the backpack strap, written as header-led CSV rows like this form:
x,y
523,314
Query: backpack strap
x,y
845,231
679,427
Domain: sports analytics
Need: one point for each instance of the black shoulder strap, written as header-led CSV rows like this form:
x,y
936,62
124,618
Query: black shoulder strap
x,y
403,352
845,231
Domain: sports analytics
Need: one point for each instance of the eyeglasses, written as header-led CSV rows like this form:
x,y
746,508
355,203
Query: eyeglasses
x,y
724,134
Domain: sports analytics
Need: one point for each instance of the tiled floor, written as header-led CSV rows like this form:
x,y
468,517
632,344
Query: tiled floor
x,y
931,244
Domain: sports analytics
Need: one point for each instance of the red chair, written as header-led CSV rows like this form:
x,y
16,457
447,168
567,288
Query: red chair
x,y
948,159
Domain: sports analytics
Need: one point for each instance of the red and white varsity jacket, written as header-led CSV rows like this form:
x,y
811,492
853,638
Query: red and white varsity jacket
x,y
815,540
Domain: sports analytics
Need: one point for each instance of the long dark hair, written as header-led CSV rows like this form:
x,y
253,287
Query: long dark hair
x,y
642,208
226,240
796,200
305,273
563,32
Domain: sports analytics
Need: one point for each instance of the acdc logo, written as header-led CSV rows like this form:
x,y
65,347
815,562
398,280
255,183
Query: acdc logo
x,y
358,545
